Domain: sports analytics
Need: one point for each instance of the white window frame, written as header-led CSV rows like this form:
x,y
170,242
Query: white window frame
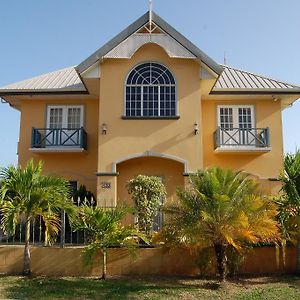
x,y
235,114
156,85
65,114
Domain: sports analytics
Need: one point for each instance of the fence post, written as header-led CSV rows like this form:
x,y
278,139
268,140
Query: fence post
x,y
63,229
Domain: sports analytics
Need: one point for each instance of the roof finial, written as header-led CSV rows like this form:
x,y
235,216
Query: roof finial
x,y
150,11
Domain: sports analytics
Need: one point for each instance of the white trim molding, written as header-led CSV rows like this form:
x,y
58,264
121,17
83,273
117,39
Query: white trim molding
x,y
150,154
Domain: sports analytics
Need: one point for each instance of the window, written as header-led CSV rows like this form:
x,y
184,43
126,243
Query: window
x,y
236,117
67,117
150,92
63,125
236,123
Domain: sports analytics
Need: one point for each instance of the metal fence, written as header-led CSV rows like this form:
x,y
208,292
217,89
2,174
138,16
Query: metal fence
x,y
66,236
37,230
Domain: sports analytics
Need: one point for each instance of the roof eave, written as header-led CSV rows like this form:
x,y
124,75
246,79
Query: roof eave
x,y
255,91
218,69
112,43
41,92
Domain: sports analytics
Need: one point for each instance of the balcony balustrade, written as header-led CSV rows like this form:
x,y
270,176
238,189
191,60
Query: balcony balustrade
x,y
242,138
59,138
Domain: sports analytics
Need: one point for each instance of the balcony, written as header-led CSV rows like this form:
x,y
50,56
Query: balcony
x,y
242,140
58,140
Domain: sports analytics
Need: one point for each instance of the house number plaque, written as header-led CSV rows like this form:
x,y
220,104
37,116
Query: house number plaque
x,y
105,185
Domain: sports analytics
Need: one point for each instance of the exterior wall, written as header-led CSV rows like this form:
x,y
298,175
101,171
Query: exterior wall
x,y
128,137
73,166
154,261
171,137
263,165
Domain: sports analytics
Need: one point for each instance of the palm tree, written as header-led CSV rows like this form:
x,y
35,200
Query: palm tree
x,y
104,230
290,202
26,194
220,210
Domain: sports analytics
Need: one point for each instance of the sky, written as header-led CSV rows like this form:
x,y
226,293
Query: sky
x,y
40,36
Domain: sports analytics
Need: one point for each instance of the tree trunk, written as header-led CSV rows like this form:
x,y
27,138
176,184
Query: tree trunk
x,y
104,267
26,268
221,260
63,229
298,246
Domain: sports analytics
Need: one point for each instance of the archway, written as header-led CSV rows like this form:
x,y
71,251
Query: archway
x,y
169,170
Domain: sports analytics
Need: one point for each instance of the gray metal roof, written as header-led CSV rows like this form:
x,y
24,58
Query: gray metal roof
x,y
62,81
129,46
133,28
233,80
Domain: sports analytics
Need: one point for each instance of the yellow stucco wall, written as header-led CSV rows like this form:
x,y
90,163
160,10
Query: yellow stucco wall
x,y
154,261
73,166
263,165
127,137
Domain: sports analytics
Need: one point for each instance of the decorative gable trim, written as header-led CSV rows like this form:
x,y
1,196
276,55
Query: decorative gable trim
x,y
127,48
134,28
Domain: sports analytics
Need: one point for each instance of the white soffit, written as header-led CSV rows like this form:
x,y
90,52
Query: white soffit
x,y
205,74
92,72
128,47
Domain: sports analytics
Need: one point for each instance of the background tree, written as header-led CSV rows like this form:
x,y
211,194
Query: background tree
x,y
289,216
104,230
221,209
146,192
27,194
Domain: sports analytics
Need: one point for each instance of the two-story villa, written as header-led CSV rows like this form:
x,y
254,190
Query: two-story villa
x,y
150,102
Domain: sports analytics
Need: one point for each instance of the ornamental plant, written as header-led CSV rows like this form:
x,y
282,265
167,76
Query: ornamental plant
x,y
289,202
104,231
221,210
26,194
146,192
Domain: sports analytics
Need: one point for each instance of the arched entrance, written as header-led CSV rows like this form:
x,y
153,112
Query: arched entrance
x,y
171,172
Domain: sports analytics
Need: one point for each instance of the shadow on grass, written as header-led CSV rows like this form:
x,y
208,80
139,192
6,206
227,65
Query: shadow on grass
x,y
267,279
121,288
132,287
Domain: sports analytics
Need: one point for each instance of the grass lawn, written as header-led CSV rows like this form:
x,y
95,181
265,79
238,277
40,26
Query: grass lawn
x,y
14,287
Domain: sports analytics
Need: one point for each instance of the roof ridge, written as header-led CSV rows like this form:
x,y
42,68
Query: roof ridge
x,y
260,75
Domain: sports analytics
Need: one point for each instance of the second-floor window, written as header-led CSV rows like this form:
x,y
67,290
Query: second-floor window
x,y
236,117
150,92
236,123
67,116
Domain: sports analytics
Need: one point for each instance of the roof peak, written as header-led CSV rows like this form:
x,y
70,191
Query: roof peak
x,y
134,27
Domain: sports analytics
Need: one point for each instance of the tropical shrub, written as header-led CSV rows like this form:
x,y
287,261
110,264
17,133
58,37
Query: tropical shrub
x,y
221,209
146,192
289,202
26,194
104,230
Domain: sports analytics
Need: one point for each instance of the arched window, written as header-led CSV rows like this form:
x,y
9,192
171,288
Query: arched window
x,y
150,92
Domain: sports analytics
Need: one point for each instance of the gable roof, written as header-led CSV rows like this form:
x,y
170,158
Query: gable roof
x,y
62,81
233,80
134,27
230,80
